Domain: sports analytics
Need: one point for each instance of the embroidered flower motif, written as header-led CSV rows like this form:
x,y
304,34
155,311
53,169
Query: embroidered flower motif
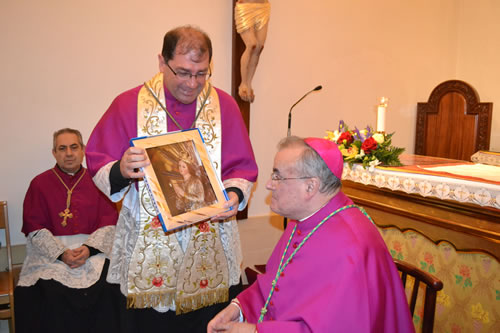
x,y
397,250
443,299
486,264
155,223
157,281
479,314
429,258
203,268
465,271
203,283
428,263
456,329
204,227
463,276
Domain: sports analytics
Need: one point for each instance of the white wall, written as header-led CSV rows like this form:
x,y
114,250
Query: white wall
x,y
478,50
359,51
62,63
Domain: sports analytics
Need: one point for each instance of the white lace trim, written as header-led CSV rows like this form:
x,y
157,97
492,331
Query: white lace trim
x,y
486,158
41,261
445,188
101,180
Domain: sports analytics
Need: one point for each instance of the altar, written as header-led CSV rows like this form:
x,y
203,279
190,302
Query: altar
x,y
446,224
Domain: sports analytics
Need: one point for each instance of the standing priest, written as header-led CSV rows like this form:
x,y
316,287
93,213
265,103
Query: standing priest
x,y
177,280
69,225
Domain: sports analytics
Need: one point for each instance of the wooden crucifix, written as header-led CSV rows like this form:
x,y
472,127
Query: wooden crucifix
x,y
250,22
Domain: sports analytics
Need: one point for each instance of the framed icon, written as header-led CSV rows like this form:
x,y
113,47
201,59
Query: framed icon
x,y
181,178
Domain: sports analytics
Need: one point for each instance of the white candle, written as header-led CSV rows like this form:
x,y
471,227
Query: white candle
x,y
381,110
381,118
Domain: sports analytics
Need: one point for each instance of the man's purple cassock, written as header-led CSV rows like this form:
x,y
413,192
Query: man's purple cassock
x,y
343,279
46,198
110,138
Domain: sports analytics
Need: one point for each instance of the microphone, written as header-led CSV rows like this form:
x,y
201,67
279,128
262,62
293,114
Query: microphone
x,y
290,113
285,220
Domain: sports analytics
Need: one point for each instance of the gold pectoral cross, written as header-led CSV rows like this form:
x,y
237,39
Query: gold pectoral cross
x,y
66,214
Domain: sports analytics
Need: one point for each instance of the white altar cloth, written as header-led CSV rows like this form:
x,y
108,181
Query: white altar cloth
x,y
446,188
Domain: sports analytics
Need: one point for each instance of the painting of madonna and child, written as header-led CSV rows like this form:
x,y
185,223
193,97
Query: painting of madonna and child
x,y
181,179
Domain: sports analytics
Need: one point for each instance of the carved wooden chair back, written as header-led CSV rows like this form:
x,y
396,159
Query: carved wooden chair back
x,y
453,123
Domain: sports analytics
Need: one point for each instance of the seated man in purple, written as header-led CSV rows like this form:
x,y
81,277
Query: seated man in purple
x,y
70,226
331,270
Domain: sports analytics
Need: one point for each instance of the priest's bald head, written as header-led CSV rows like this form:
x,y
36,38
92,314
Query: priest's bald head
x,y
306,175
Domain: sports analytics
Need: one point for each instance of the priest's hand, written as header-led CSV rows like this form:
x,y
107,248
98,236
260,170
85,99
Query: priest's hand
x,y
233,202
76,257
81,254
219,323
132,160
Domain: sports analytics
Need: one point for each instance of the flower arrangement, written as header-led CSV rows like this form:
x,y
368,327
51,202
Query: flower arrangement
x,y
365,146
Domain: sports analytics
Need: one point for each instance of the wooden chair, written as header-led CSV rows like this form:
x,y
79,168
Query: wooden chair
x,y
6,276
251,274
453,123
433,285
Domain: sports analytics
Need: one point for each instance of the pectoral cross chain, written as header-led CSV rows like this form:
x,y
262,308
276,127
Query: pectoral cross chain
x,y
66,214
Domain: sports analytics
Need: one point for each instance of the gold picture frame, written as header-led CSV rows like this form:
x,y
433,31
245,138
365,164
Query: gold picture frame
x,y
181,178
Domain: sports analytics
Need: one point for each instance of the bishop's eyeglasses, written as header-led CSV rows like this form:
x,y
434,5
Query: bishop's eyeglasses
x,y
277,178
185,76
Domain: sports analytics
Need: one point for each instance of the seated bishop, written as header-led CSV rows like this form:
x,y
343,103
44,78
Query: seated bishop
x,y
331,270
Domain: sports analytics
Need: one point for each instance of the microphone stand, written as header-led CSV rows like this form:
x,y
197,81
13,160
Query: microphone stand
x,y
288,133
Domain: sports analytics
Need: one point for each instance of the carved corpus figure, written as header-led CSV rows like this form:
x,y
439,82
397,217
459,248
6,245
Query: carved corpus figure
x,y
251,18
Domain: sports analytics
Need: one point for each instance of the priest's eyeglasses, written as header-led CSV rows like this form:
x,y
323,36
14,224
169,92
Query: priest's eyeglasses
x,y
185,76
277,178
